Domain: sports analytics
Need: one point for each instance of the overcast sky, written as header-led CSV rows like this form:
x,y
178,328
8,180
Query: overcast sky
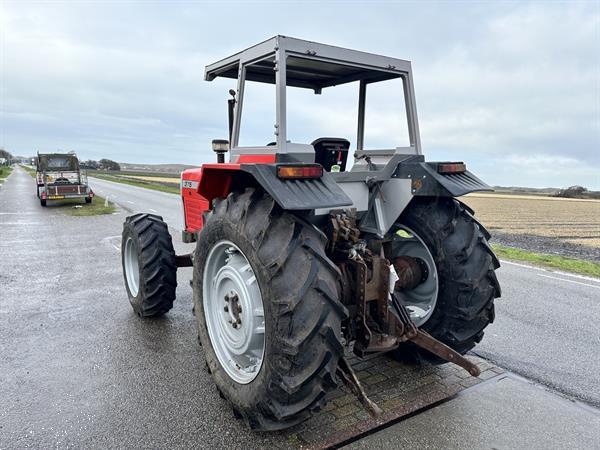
x,y
512,88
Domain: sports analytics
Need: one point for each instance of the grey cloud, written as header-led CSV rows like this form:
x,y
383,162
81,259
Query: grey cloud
x,y
510,88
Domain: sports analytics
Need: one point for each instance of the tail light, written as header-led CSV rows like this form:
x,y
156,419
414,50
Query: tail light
x,y
451,167
296,172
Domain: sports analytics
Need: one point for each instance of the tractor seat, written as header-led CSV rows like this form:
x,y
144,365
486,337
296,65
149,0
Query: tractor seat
x,y
331,152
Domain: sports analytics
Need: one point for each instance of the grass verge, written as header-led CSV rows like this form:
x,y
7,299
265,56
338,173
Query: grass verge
x,y
551,261
5,172
96,208
142,184
29,170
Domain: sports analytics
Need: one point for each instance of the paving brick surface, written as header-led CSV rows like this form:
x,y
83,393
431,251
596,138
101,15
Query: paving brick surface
x,y
397,389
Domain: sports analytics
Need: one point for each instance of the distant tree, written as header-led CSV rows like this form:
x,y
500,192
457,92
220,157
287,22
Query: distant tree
x,y
6,155
90,164
571,192
108,164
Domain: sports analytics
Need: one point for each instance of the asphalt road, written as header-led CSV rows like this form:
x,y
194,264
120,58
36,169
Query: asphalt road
x,y
506,413
546,326
137,199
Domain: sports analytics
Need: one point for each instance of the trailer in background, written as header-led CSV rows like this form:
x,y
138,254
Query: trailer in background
x,y
59,177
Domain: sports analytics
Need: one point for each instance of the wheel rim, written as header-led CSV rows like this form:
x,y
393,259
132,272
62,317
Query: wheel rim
x,y
234,312
421,300
132,268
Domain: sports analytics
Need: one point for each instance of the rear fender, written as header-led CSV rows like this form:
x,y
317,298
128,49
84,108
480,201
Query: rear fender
x,y
298,195
427,181
412,177
200,186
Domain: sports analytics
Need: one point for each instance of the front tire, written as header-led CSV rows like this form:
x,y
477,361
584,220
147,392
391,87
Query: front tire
x,y
301,311
465,266
149,265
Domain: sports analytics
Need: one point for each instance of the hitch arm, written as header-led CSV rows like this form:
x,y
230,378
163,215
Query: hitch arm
x,y
406,330
184,260
409,332
350,379
426,341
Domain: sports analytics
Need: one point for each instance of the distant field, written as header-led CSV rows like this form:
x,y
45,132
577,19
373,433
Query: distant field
x,y
163,179
132,173
572,220
156,168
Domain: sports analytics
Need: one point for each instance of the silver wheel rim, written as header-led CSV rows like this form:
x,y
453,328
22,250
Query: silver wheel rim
x,y
132,267
234,312
421,300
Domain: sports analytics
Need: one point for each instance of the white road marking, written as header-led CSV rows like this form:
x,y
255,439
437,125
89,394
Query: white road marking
x,y
153,210
18,241
556,272
111,238
569,281
129,201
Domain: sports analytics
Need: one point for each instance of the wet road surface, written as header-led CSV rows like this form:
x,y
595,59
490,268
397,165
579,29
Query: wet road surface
x,y
546,330
481,417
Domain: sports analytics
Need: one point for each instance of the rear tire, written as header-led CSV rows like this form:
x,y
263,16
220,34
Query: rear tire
x,y
149,266
465,266
302,313
88,199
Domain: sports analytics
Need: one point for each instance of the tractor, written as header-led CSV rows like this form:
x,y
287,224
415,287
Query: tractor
x,y
303,258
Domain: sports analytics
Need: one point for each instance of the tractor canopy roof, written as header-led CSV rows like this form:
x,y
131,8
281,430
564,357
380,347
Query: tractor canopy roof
x,y
308,64
288,62
58,161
